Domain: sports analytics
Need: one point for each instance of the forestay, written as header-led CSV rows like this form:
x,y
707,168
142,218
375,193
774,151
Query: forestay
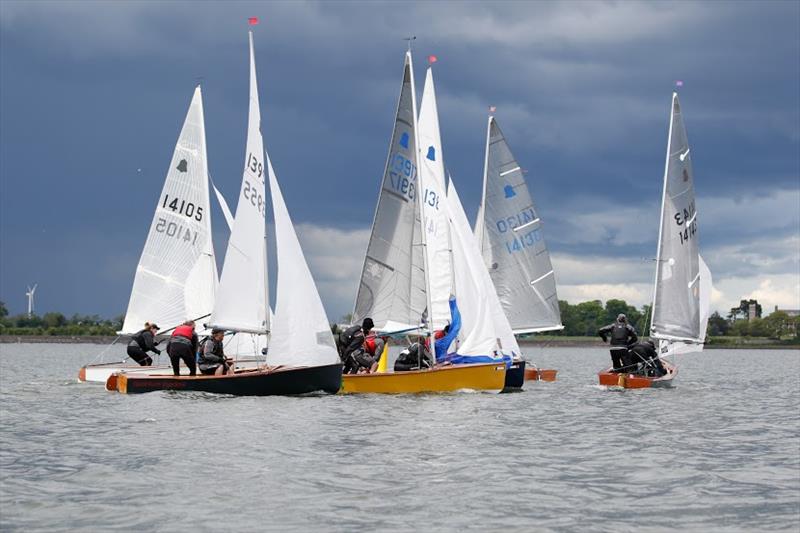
x,y
486,330
510,236
301,333
437,234
676,299
242,296
176,277
392,286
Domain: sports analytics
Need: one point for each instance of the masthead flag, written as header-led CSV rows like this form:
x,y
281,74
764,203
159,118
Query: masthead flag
x,y
432,59
252,21
492,109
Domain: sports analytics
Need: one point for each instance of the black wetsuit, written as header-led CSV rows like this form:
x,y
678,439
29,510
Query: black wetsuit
x,y
622,335
351,348
644,353
211,357
181,347
140,344
410,358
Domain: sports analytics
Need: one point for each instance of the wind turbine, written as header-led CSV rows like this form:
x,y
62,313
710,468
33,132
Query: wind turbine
x,y
29,294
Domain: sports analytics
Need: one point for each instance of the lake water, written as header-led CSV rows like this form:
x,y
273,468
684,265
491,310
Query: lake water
x,y
719,452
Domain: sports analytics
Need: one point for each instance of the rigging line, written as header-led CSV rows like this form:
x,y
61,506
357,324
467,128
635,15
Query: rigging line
x,y
102,353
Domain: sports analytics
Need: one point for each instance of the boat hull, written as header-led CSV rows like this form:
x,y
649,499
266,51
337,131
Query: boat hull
x,y
99,373
283,381
487,376
540,374
515,377
632,381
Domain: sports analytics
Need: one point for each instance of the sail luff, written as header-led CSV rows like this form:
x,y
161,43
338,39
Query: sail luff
x,y
480,224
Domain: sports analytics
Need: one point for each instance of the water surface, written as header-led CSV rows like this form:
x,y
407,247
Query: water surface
x,y
719,452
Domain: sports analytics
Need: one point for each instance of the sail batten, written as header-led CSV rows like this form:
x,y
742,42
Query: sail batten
x,y
176,278
510,237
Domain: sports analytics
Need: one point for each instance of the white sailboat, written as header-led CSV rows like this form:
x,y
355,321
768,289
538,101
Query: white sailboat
x,y
511,239
682,288
302,354
176,277
407,269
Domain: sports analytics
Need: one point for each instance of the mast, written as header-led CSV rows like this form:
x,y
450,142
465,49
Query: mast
x,y
480,224
269,166
663,203
420,207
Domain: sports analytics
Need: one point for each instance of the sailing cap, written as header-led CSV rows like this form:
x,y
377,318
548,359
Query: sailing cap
x,y
621,317
154,326
367,324
217,330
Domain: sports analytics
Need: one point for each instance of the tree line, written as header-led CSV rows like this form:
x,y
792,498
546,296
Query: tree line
x,y
579,320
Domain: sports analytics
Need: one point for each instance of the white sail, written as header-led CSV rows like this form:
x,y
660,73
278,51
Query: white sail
x,y
485,328
301,333
676,298
242,296
437,234
392,287
176,277
510,236
706,288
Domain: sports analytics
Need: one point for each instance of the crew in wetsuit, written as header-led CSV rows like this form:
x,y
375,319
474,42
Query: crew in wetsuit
x,y
142,342
414,357
645,352
183,345
373,345
622,335
212,358
352,352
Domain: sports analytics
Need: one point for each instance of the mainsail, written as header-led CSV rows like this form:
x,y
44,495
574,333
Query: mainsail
x,y
437,234
301,334
706,288
392,287
676,298
176,277
242,296
510,237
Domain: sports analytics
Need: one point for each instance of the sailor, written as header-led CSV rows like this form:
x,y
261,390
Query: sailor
x,y
183,345
645,352
373,345
212,358
444,337
414,357
351,348
622,335
142,342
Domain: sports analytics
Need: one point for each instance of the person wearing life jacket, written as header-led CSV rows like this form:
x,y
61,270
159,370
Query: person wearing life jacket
x,y
183,345
443,338
415,357
645,353
142,342
211,359
622,335
351,348
373,345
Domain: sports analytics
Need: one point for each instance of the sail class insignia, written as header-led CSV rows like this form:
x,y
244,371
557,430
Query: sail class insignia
x,y
182,166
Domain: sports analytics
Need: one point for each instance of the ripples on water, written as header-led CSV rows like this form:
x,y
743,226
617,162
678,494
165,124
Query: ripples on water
x,y
720,451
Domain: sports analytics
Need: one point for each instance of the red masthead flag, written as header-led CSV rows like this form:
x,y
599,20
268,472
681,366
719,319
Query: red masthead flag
x,y
252,21
432,59
492,109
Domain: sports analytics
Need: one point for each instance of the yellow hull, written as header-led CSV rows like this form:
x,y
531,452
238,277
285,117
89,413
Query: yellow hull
x,y
487,376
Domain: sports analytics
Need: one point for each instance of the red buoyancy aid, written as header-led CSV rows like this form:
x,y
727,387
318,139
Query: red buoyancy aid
x,y
369,344
184,331
438,334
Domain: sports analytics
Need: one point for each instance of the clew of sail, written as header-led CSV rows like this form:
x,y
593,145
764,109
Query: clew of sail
x,y
676,298
486,331
437,234
301,333
242,296
392,286
511,239
176,277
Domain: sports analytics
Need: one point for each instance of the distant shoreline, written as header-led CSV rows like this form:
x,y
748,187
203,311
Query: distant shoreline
x,y
550,341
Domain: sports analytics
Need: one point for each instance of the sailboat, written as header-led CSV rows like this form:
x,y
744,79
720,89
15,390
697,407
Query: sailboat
x,y
683,284
511,240
407,274
302,356
176,277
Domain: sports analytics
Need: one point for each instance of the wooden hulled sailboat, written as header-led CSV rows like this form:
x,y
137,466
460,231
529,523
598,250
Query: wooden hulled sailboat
x,y
302,357
682,289
511,240
176,277
407,275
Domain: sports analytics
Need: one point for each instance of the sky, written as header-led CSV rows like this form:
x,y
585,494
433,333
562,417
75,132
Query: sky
x,y
93,95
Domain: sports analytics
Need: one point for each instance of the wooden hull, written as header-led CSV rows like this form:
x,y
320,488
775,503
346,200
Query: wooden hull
x,y
631,381
282,381
515,377
486,376
99,373
540,374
